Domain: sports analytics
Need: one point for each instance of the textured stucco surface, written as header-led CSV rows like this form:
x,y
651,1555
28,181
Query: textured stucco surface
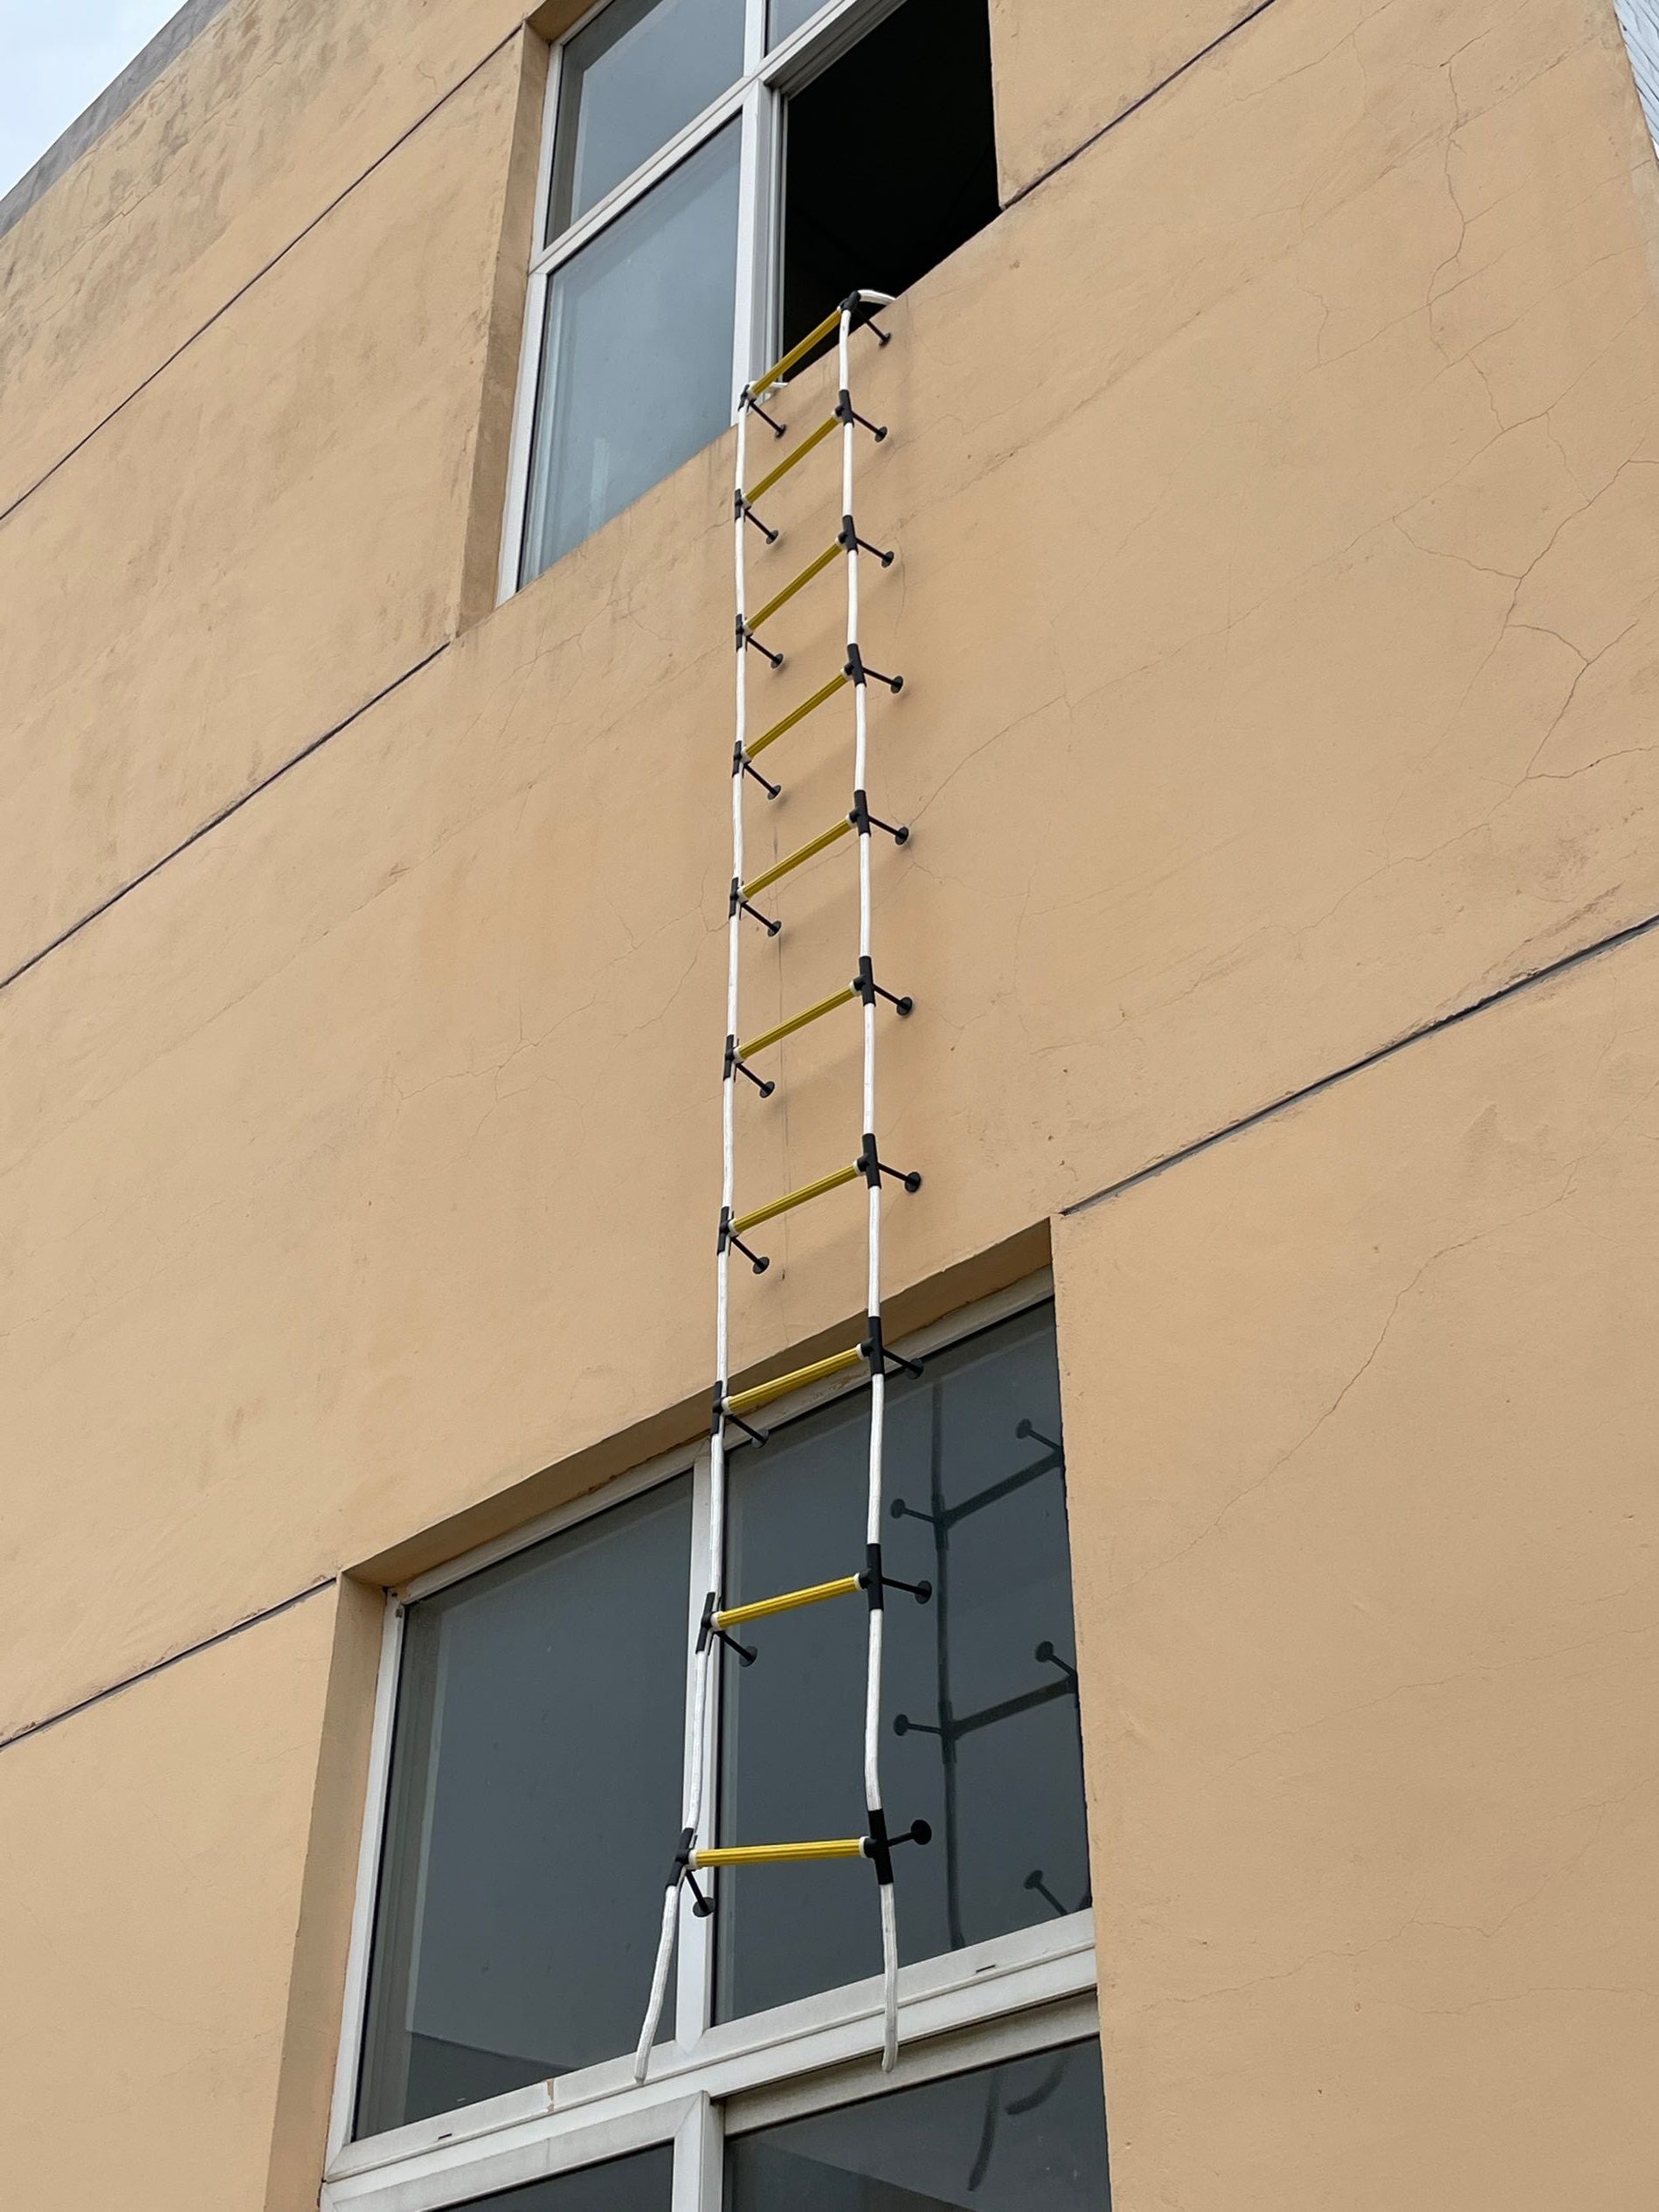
x,y
155,1855
1275,491
301,473
1367,1551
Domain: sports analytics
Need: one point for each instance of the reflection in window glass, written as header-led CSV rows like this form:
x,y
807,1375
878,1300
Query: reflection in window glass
x,y
533,1777
1027,2136
642,2183
981,1722
787,15
637,362
639,72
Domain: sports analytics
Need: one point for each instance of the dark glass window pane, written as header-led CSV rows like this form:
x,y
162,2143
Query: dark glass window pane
x,y
637,360
913,101
642,2183
1027,2136
536,1764
980,1735
639,72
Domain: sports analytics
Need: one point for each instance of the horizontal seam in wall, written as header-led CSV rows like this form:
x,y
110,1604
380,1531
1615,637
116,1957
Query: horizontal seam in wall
x,y
173,1659
1136,105
313,745
242,291
1294,1098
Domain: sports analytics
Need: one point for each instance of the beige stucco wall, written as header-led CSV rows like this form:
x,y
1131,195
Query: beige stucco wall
x,y
1367,1553
164,1899
1274,486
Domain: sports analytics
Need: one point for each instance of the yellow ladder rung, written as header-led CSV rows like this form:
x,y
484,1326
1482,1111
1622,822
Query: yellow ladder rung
x,y
848,1847
782,598
782,728
732,1616
776,475
787,866
763,1393
796,354
793,1199
796,1021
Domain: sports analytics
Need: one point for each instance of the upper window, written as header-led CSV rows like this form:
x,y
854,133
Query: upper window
x,y
532,1804
719,174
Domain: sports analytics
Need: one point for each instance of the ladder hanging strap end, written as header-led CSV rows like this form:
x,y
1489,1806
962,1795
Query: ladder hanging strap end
x,y
733,1616
814,567
759,489
799,1021
743,1401
782,728
797,858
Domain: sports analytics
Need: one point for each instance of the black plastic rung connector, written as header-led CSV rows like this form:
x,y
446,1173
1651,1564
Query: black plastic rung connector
x,y
846,412
860,671
709,1632
873,1581
739,904
863,317
863,821
867,988
872,1168
849,540
730,1241
882,1846
734,1066
880,1356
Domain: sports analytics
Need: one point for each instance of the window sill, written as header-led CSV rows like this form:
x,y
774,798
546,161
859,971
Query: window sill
x,y
601,2112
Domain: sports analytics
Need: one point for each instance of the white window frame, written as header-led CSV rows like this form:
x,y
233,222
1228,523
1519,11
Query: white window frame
x,y
1006,1998
756,99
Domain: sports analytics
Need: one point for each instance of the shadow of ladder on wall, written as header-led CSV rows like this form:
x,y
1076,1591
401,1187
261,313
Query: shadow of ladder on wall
x,y
731,1409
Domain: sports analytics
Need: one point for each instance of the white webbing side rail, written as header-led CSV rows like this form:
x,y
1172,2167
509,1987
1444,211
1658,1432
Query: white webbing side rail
x,y
728,1407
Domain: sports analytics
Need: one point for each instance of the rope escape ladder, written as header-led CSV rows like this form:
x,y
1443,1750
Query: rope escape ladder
x,y
731,1408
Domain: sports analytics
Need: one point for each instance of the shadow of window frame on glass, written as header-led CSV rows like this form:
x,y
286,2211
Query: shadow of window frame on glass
x,y
1001,1997
755,101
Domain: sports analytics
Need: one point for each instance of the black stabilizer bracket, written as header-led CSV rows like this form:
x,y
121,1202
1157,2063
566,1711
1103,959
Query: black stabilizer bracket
x,y
707,1633
874,1582
741,905
722,1417
849,540
880,1358
867,988
736,1067
863,317
859,669
863,821
882,1846
729,1241
872,1168
846,412
777,429
746,637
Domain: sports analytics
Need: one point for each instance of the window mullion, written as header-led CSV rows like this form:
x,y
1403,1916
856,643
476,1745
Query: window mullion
x,y
754,35
751,336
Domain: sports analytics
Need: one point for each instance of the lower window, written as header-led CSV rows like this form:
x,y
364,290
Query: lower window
x,y
1027,2136
534,1748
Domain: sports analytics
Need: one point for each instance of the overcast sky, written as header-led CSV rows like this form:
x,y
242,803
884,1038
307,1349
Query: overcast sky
x,y
56,56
